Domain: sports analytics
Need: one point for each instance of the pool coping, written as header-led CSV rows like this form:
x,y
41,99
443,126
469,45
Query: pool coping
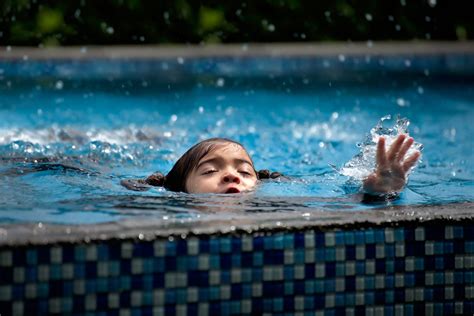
x,y
269,222
238,50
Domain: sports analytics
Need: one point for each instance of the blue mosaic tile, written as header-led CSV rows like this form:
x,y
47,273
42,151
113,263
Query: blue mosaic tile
x,y
359,237
257,274
182,263
288,303
350,252
299,240
409,279
236,244
289,288
204,246
458,232
143,249
330,254
416,270
399,234
31,257
299,287
170,263
170,247
360,267
319,286
369,282
225,277
257,259
299,256
329,285
258,243
370,251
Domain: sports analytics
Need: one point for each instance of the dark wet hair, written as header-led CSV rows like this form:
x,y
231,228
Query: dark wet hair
x,y
175,180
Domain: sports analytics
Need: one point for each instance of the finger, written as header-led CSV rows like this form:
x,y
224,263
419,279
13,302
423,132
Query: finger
x,y
403,150
411,161
395,147
381,155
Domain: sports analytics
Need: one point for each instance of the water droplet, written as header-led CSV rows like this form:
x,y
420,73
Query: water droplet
x,y
8,48
420,90
432,3
173,118
271,27
83,50
401,102
398,27
407,63
370,43
59,85
341,58
220,82
25,57
141,236
201,109
180,60
109,30
368,17
170,238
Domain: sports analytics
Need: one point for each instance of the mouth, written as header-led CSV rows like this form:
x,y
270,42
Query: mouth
x,y
232,190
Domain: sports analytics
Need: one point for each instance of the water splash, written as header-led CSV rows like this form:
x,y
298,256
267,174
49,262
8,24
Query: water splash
x,y
363,164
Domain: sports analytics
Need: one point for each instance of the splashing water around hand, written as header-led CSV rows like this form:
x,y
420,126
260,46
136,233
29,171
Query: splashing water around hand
x,y
363,164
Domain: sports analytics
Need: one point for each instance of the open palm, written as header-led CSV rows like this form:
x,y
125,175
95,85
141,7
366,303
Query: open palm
x,y
392,167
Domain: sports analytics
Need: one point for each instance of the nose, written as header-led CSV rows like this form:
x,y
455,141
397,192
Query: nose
x,y
231,178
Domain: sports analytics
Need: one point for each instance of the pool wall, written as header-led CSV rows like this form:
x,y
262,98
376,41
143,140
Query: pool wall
x,y
392,269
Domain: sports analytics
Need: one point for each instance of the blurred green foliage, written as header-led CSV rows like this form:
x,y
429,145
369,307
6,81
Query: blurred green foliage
x,y
86,22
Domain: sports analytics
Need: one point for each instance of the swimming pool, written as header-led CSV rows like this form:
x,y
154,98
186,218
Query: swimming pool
x,y
72,128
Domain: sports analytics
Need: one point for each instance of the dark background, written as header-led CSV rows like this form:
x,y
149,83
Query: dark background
x,y
80,22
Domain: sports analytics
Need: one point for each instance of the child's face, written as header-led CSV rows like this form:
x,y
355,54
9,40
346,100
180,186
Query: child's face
x,y
227,169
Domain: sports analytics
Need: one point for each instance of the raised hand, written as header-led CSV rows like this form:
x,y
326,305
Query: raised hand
x,y
392,167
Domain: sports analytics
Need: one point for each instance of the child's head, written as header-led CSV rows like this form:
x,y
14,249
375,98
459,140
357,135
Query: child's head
x,y
215,165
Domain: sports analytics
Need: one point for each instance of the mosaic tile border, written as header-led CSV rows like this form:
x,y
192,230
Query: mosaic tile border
x,y
383,270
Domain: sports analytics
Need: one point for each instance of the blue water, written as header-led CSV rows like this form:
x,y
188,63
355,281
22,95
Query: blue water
x,y
69,133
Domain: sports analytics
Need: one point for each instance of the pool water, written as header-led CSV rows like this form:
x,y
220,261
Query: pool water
x,y
69,132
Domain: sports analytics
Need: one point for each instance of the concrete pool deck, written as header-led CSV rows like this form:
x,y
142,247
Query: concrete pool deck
x,y
150,228
239,50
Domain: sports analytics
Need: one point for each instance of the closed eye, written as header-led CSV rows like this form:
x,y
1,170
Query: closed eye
x,y
245,173
209,171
